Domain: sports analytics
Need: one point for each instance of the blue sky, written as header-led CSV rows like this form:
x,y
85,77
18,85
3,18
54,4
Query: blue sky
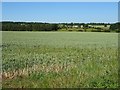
x,y
60,11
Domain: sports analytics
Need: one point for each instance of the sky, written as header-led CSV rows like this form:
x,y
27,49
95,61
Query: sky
x,y
60,0
58,12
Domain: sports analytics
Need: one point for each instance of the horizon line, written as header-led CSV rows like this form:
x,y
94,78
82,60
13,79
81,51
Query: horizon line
x,y
54,22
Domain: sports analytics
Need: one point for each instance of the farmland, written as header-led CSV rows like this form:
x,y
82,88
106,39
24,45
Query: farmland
x,y
59,59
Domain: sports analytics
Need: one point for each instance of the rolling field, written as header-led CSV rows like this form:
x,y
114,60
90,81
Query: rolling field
x,y
59,60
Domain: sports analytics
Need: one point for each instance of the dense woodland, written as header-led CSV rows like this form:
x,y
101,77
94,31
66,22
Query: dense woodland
x,y
39,26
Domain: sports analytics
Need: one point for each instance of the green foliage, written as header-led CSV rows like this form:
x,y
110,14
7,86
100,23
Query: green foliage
x,y
115,27
22,26
38,26
59,60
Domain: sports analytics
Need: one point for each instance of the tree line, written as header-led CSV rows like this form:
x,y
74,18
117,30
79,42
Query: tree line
x,y
24,26
115,27
39,26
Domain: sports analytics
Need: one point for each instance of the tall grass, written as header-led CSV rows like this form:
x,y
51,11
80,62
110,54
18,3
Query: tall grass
x,y
47,60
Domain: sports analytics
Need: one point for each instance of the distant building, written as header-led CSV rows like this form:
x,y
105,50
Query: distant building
x,y
75,26
81,26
